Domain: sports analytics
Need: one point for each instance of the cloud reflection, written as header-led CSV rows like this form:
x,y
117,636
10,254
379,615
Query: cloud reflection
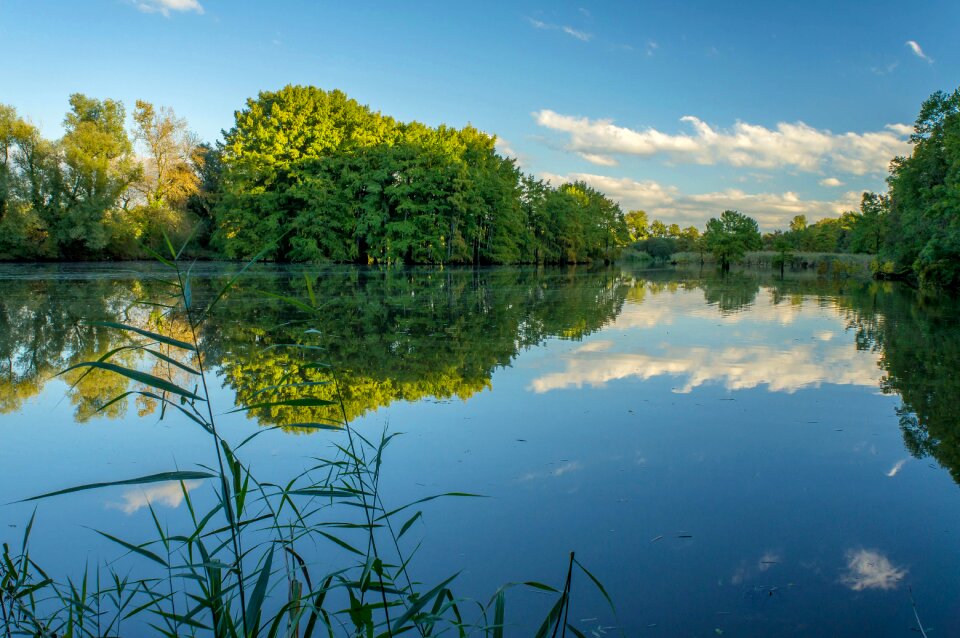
x,y
169,494
897,467
737,368
868,569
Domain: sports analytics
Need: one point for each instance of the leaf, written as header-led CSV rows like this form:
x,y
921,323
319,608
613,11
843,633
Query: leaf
x,y
421,602
498,614
596,582
536,585
190,238
259,593
342,543
172,361
410,522
552,617
428,498
166,239
331,492
152,478
146,333
140,377
134,548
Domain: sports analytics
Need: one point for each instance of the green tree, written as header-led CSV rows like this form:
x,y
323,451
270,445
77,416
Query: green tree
x,y
923,221
731,236
637,225
689,239
784,253
658,228
867,232
99,167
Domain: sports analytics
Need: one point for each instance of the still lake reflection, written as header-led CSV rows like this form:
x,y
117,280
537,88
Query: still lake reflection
x,y
739,455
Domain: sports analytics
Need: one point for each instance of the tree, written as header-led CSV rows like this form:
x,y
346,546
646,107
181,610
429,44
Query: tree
x,y
168,177
869,225
731,236
784,253
923,221
637,225
658,229
99,166
689,239
798,223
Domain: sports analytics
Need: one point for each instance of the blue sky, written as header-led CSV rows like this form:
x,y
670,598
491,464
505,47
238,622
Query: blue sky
x,y
770,108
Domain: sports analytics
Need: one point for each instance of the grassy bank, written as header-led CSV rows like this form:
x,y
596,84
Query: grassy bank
x,y
821,264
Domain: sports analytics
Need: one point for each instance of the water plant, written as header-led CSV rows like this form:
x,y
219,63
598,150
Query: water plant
x,y
244,565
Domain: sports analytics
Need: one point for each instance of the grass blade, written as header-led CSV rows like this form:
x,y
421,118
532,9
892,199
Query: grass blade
x,y
140,377
170,341
259,593
151,478
134,548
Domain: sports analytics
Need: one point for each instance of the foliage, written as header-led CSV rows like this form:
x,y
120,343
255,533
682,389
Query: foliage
x,y
412,334
327,179
637,225
731,236
923,232
88,195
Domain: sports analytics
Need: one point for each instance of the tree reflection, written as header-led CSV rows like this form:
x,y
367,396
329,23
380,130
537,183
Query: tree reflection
x,y
918,336
413,334
389,334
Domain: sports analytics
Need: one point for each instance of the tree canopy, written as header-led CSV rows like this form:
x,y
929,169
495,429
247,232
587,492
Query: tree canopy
x,y
324,178
923,230
730,236
311,174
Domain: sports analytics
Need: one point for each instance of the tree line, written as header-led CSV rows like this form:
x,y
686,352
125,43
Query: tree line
x,y
90,194
914,228
315,176
311,175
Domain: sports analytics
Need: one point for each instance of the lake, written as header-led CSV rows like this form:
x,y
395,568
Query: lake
x,y
740,456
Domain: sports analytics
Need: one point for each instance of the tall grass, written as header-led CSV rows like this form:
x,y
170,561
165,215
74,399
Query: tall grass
x,y
241,567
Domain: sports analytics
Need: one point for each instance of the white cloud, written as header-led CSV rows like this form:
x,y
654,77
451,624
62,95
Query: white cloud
x,y
164,7
867,569
904,130
599,160
583,36
795,145
505,148
771,210
890,67
652,47
832,182
917,51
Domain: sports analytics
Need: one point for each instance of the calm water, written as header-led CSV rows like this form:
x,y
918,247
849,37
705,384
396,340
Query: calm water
x,y
744,456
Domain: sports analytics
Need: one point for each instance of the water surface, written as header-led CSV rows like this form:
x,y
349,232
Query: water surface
x,y
740,455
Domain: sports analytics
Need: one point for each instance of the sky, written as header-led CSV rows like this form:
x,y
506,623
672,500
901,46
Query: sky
x,y
683,110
